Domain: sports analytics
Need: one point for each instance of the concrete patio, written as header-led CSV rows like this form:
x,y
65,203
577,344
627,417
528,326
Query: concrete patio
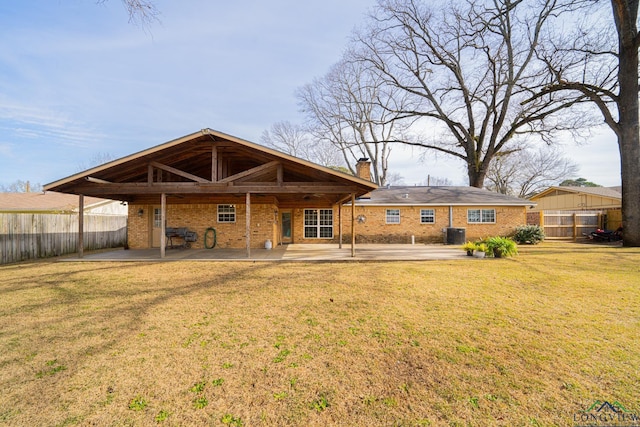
x,y
292,252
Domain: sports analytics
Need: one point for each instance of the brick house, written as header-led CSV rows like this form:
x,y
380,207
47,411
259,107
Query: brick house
x,y
253,196
407,214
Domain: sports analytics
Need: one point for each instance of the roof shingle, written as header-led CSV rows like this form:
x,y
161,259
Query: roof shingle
x,y
414,195
49,201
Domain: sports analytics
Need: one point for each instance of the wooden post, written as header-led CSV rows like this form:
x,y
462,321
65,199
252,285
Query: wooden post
x,y
81,226
280,175
353,225
575,227
248,222
214,163
163,224
340,225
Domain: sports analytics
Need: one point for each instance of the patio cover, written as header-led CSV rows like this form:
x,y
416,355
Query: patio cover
x,y
206,165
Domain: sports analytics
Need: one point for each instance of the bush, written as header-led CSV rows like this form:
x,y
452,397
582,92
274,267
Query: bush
x,y
529,234
501,247
469,247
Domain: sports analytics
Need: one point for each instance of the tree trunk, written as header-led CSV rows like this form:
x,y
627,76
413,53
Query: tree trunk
x,y
476,177
625,14
629,144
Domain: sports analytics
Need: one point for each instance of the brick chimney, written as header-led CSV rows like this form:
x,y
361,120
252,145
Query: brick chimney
x,y
363,168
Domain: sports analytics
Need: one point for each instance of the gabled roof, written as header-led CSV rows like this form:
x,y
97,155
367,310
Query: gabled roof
x,y
610,192
439,196
207,163
46,202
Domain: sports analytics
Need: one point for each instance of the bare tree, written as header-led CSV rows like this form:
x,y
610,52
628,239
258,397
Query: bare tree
x,y
288,138
437,181
467,66
525,172
395,178
95,160
349,109
296,141
141,12
599,63
20,186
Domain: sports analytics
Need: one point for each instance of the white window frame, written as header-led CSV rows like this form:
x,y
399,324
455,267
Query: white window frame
x,y
429,214
392,216
226,213
481,216
318,223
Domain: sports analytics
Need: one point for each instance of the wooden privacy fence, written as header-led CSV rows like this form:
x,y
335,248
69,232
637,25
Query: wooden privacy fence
x,y
26,236
568,224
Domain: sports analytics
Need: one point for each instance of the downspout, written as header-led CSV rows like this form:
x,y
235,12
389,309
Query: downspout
x,y
445,232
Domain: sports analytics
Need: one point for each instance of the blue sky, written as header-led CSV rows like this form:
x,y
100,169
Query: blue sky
x,y
77,80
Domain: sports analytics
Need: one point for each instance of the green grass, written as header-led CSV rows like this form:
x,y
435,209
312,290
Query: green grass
x,y
529,340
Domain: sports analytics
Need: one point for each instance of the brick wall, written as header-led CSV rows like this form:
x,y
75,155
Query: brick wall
x,y
507,219
199,217
376,230
138,227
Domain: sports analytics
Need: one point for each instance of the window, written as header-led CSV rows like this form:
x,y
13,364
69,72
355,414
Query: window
x,y
393,216
481,216
318,223
427,216
157,217
226,213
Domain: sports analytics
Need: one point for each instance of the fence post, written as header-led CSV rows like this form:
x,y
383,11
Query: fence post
x,y
575,226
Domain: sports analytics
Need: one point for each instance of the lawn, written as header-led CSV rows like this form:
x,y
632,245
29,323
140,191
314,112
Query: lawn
x,y
526,341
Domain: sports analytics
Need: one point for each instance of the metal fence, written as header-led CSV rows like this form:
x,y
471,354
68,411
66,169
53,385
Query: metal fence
x,y
25,236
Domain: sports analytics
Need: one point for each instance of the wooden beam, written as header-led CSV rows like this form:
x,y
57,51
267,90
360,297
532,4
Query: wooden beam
x,y
214,163
353,225
149,174
280,174
178,172
215,187
340,225
163,225
344,199
248,223
252,171
81,226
